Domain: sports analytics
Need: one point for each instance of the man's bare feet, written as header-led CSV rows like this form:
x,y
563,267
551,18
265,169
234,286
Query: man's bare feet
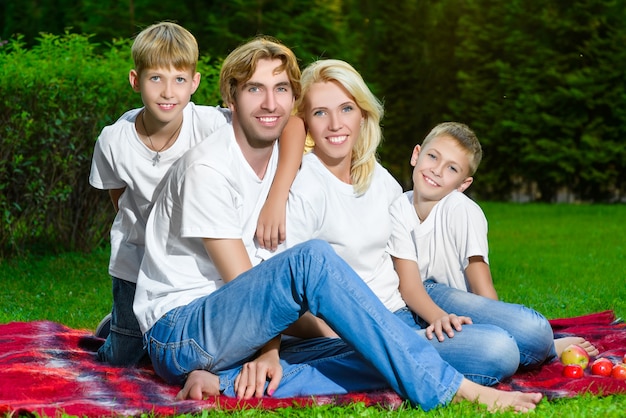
x,y
199,385
561,344
497,400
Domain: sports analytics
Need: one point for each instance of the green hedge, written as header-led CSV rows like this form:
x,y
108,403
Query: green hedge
x,y
57,96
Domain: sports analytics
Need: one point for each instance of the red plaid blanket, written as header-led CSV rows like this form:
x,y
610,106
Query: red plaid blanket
x,y
47,368
606,332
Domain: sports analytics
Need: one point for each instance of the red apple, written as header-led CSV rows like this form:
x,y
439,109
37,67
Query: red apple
x,y
602,367
619,371
574,371
574,354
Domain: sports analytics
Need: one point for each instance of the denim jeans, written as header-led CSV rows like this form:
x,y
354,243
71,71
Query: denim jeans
x,y
485,354
531,330
222,330
317,366
124,344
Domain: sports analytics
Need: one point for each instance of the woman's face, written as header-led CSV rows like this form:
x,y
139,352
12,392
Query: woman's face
x,y
334,122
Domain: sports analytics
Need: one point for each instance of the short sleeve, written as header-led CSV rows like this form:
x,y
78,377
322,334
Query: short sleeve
x,y
401,243
210,206
103,176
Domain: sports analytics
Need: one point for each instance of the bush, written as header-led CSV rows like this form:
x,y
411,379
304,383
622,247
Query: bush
x,y
57,96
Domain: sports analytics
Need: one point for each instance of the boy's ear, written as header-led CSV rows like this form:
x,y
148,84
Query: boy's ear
x,y
466,183
195,82
415,154
133,78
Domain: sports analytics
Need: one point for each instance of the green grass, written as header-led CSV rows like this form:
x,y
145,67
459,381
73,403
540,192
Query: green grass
x,y
562,260
74,289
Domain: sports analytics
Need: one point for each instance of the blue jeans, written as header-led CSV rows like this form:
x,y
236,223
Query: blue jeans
x,y
124,344
318,366
531,330
484,353
224,329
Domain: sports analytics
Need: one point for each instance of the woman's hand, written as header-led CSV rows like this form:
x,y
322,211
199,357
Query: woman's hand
x,y
254,374
270,231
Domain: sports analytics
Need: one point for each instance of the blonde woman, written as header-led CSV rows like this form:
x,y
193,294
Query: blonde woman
x,y
342,195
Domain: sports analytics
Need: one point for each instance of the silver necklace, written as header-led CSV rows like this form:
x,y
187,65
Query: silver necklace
x,y
157,156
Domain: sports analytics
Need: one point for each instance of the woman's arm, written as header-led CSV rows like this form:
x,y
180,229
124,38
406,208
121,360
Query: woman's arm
x,y
271,229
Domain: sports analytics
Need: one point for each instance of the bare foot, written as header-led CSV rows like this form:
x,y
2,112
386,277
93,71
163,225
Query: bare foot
x,y
199,385
497,400
561,344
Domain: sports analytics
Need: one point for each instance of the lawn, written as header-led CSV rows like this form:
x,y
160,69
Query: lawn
x,y
563,260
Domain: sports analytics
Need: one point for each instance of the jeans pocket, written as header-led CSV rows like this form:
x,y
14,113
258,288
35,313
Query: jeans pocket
x,y
174,361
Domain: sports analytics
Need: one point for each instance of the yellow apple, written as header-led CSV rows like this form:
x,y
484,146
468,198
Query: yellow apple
x,y
574,354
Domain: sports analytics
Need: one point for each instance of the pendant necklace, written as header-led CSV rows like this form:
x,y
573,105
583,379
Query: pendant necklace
x,y
157,157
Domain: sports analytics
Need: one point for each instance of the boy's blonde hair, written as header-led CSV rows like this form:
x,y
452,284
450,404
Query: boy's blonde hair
x,y
364,152
464,136
240,65
165,45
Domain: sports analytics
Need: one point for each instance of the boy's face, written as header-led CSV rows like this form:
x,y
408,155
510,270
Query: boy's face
x,y
439,168
165,92
263,105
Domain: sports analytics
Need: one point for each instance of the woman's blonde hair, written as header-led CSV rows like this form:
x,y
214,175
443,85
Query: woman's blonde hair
x,y
165,45
364,152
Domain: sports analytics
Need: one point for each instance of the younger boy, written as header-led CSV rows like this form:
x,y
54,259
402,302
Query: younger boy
x,y
132,156
449,234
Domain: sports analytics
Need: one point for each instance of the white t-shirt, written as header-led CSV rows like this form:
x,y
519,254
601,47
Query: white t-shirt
x,y
454,231
210,192
122,160
320,206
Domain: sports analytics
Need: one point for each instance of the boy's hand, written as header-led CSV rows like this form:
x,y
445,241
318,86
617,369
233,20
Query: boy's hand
x,y
270,230
251,381
448,324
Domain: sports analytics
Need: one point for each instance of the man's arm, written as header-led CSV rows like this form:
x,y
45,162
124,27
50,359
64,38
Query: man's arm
x,y
229,256
231,259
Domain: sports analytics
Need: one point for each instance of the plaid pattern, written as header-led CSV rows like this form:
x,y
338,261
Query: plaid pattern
x,y
606,332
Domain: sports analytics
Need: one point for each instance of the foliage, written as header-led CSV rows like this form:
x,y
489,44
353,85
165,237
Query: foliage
x,y
543,84
57,96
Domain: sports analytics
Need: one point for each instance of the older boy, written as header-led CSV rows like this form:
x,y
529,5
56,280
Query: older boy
x,y
449,234
132,156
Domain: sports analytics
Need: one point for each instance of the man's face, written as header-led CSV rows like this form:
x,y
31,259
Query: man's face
x,y
263,105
